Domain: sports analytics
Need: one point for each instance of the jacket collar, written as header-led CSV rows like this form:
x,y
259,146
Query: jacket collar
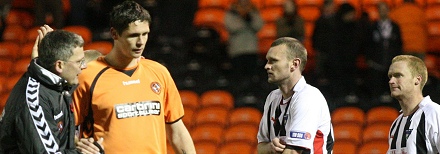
x,y
46,77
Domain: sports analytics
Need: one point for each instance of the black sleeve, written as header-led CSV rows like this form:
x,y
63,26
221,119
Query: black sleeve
x,y
37,130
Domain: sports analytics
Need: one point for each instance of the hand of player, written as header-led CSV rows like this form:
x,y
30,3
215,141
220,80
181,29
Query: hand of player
x,y
41,33
277,146
87,146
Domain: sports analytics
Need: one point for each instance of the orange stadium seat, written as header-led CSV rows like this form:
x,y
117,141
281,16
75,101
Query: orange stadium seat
x,y
219,98
375,133
236,147
6,65
207,134
259,4
14,33
212,18
219,4
189,98
431,62
433,44
348,114
244,115
381,114
373,148
434,28
3,79
188,118
209,17
309,14
269,30
432,13
264,46
432,2
83,31
23,4
211,115
348,132
102,46
309,27
32,34
314,3
3,99
245,133
344,147
271,14
9,50
27,20
14,17
19,17
12,80
205,147
25,51
274,3
21,66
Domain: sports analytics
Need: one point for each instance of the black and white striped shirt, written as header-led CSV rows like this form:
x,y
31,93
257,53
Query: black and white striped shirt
x,y
417,133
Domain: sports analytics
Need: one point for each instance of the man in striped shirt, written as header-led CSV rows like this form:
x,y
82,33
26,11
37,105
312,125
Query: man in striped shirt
x,y
417,128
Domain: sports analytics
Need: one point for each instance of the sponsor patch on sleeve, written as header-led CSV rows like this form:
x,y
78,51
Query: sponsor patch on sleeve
x,y
300,135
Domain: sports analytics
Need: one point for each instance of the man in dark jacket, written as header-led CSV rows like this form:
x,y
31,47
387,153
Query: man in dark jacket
x,y
37,117
385,43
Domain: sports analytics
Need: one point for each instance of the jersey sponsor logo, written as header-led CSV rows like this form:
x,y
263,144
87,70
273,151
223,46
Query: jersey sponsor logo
x,y
137,109
126,83
155,87
300,135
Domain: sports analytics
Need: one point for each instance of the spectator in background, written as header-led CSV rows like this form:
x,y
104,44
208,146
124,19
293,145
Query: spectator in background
x,y
5,6
243,21
54,7
413,26
323,42
385,42
290,24
344,58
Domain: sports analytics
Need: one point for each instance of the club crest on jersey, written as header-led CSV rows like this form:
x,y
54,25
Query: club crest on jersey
x,y
408,132
60,126
155,87
300,135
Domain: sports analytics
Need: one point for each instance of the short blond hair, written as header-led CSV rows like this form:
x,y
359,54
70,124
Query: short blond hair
x,y
295,49
416,67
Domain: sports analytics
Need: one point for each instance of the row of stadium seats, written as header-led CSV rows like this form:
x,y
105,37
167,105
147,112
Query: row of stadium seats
x,y
362,132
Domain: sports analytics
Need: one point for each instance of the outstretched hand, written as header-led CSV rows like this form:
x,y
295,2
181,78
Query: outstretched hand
x,y
41,33
89,146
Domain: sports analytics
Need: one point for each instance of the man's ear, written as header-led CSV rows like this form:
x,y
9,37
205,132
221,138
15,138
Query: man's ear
x,y
418,80
114,33
296,62
59,65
